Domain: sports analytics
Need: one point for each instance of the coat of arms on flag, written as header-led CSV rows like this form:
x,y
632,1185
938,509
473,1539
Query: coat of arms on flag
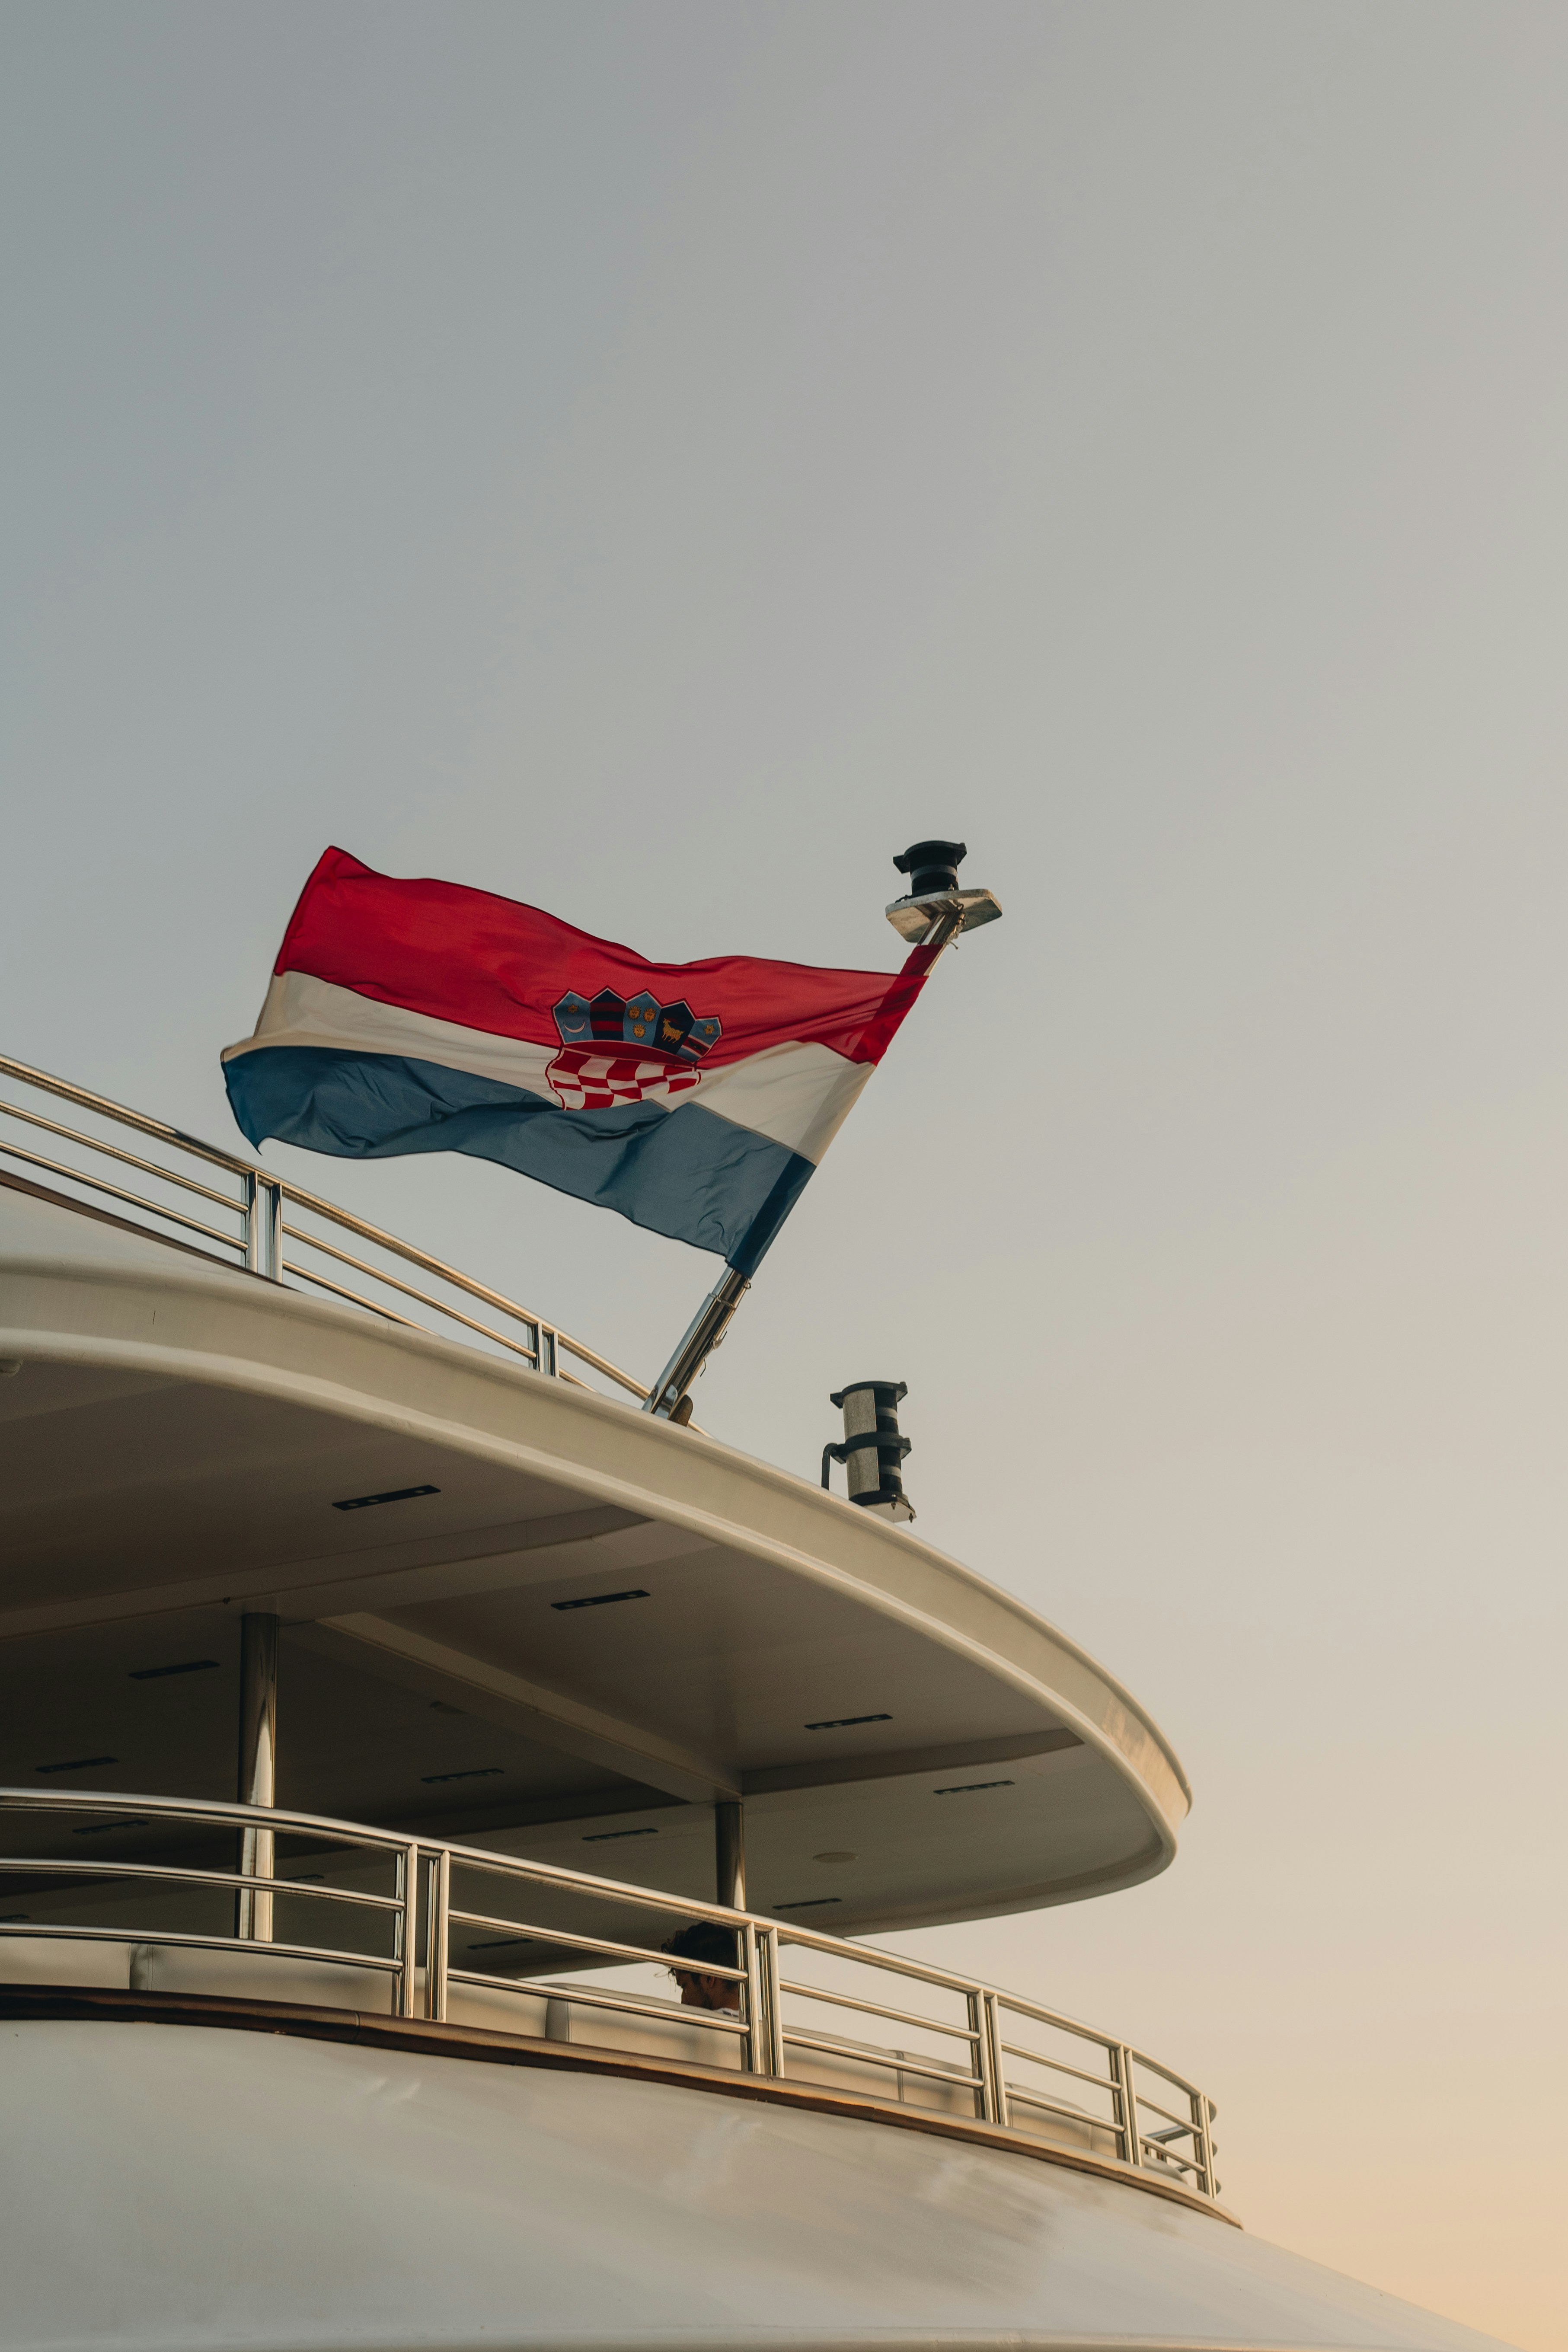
x,y
657,1046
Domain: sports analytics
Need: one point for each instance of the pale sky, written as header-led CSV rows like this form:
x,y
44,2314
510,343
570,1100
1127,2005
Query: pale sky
x,y
656,461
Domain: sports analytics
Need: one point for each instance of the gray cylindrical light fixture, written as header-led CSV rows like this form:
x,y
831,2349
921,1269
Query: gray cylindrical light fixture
x,y
873,1450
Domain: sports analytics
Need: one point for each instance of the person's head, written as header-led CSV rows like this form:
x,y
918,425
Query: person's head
x,y
704,1946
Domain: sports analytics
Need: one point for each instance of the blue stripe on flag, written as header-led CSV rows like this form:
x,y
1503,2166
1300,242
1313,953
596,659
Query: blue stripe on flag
x,y
687,1173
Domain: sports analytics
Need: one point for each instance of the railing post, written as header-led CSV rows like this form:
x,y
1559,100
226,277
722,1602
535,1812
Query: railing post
x,y
438,1906
544,1355
768,1943
406,1948
987,2102
264,1225
1126,2100
1203,2113
756,2016
999,2071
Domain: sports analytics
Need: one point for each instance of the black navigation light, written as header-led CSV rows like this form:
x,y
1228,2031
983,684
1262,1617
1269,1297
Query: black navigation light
x,y
932,866
872,1452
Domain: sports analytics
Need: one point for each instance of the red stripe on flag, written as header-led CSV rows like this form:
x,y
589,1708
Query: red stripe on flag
x,y
494,964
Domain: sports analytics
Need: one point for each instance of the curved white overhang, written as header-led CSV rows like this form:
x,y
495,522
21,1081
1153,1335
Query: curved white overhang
x,y
174,1448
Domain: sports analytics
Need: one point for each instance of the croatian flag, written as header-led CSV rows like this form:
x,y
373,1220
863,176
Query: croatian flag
x,y
695,1099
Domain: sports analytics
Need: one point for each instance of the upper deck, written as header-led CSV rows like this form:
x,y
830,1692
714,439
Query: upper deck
x,y
911,1745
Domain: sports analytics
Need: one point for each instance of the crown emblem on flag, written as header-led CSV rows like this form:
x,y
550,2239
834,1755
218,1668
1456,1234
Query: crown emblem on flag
x,y
623,1049
638,1021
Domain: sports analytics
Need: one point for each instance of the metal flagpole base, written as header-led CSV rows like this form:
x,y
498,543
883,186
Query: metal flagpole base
x,y
708,1328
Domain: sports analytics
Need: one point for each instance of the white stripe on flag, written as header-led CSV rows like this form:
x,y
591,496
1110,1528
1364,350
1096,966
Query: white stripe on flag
x,y
797,1095
303,1010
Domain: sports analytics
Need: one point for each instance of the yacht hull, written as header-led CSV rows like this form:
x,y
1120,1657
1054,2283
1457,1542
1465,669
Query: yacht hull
x,y
164,2185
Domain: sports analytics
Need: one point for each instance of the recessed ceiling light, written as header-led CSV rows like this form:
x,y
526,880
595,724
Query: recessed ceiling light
x,y
184,1667
845,1722
971,1788
444,1707
836,1857
601,1600
77,1764
474,1772
598,1837
808,1903
393,1495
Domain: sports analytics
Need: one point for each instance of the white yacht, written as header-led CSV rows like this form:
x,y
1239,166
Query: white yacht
x,y
384,1690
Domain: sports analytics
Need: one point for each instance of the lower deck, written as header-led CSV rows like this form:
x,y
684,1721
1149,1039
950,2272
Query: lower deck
x,y
120,1898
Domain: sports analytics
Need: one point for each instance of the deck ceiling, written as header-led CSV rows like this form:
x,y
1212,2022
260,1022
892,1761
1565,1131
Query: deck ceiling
x,y
178,1447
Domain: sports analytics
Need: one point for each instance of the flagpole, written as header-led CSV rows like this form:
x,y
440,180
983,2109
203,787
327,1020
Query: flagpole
x,y
933,867
670,1399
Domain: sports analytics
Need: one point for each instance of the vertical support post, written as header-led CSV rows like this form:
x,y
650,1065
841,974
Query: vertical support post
x,y
258,1767
406,1949
730,1854
1125,2093
264,1225
987,2093
437,1908
756,2016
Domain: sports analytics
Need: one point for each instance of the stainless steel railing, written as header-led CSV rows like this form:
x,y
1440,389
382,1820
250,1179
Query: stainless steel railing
x,y
269,1227
1017,2064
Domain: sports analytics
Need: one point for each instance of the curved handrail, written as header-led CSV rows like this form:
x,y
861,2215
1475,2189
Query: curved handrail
x,y
1107,2114
262,1228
